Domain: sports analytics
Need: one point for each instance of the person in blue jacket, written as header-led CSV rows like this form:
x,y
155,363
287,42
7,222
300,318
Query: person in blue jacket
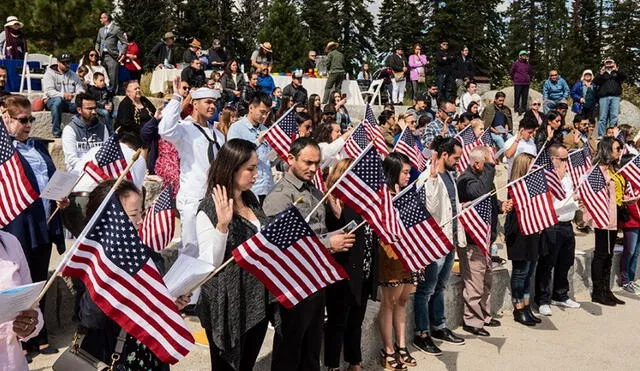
x,y
554,91
584,95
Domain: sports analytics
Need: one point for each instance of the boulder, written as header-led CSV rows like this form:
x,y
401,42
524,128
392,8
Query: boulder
x,y
41,128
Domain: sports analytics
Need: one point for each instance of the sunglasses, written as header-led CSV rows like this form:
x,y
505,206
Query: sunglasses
x,y
93,55
25,120
450,114
553,75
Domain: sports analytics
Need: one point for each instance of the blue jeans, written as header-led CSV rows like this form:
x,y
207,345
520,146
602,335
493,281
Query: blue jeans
x,y
57,105
106,115
499,140
443,81
550,105
521,279
629,257
428,300
609,109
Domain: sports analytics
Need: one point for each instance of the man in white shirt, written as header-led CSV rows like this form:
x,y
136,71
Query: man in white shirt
x,y
522,143
197,143
558,243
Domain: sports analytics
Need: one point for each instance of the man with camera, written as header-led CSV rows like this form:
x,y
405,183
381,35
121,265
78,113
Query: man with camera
x,y
609,85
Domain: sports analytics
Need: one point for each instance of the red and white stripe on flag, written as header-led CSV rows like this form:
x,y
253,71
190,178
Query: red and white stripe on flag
x,y
631,172
533,202
373,131
159,223
283,133
123,281
407,145
594,193
318,180
16,192
578,166
289,259
476,221
95,172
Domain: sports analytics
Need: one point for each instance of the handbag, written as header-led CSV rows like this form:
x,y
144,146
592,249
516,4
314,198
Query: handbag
x,y
421,78
398,76
77,359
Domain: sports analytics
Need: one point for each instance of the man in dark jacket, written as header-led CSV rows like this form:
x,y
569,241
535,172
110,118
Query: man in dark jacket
x,y
194,75
464,68
296,91
609,83
475,258
444,70
398,65
521,73
217,56
163,52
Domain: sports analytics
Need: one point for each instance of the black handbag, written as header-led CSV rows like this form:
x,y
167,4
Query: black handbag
x,y
623,213
77,359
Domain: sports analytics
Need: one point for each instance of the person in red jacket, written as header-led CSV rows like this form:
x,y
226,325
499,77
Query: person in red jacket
x,y
631,237
131,58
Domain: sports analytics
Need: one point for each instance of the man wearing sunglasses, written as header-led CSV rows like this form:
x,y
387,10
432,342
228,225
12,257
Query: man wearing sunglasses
x,y
558,244
442,125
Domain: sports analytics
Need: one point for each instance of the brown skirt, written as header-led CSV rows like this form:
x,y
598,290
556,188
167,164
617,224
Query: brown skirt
x,y
391,272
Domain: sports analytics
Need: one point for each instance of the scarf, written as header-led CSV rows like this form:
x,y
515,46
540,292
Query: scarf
x,y
15,45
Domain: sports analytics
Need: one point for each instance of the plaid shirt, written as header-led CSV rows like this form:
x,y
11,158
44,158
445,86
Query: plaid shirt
x,y
433,129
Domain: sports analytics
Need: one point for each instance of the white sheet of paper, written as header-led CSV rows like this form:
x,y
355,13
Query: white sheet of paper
x,y
186,273
17,299
59,186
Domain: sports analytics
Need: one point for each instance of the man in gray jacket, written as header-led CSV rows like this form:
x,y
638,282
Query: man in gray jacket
x,y
107,46
60,86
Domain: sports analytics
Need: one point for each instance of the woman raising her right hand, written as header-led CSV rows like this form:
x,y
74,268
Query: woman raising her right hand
x,y
233,304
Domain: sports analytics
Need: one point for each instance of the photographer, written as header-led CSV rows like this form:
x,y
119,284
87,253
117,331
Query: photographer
x,y
609,83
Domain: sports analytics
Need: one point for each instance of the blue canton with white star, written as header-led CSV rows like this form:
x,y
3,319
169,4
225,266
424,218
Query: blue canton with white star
x,y
119,239
410,208
408,138
467,135
484,209
360,136
487,139
109,152
6,148
577,159
289,125
369,116
369,169
596,180
164,200
287,228
536,183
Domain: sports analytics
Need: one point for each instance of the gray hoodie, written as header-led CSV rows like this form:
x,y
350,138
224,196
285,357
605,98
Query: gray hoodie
x,y
56,84
78,139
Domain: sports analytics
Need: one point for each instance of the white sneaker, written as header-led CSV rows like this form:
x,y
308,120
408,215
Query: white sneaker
x,y
545,310
629,287
566,304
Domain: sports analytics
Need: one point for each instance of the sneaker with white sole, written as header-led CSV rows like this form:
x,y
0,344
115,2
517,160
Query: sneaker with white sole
x,y
566,304
635,285
544,310
629,287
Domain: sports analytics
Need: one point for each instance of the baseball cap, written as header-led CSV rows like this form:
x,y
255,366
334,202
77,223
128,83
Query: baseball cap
x,y
523,52
65,58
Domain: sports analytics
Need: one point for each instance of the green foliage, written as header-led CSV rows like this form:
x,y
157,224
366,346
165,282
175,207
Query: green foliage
x,y
250,18
399,23
624,38
284,30
582,49
321,21
356,31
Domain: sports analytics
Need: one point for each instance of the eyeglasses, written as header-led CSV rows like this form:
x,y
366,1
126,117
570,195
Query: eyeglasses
x,y
450,114
553,75
25,120
535,104
615,148
93,55
563,159
185,88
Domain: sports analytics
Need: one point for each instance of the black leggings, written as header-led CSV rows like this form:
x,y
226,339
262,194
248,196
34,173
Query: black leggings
x,y
601,263
250,343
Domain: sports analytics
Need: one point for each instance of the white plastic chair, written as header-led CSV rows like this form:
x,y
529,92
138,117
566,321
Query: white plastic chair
x,y
373,92
26,74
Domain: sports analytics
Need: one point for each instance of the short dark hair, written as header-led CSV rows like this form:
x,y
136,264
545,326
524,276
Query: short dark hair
x,y
445,145
109,17
130,139
260,97
384,117
322,132
97,74
302,117
466,116
420,98
3,68
500,95
579,117
82,97
301,143
100,192
469,83
529,124
553,149
231,156
392,167
423,121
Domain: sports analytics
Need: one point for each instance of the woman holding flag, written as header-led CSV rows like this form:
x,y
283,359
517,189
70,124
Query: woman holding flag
x,y
233,304
606,160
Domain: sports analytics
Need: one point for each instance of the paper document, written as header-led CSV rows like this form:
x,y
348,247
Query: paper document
x,y
59,186
17,299
346,229
185,274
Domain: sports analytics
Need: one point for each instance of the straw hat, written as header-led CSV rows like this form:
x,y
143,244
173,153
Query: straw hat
x,y
266,46
13,20
169,35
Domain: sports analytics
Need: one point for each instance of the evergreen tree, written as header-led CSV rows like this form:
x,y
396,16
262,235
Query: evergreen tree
x,y
146,20
624,38
196,19
399,23
251,15
321,22
356,31
552,28
284,30
582,49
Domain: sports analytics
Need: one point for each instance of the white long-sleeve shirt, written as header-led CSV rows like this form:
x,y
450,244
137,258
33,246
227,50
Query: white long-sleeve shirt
x,y
192,147
211,242
566,209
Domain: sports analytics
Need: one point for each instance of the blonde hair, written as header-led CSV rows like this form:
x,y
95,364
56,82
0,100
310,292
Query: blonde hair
x,y
337,171
476,123
520,167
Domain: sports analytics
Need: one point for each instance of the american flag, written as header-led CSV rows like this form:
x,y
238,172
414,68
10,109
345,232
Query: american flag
x,y
289,259
318,180
123,281
476,221
363,188
595,196
16,192
373,131
622,138
422,240
469,142
356,142
553,181
631,171
109,162
533,203
160,222
407,145
578,166
283,133
487,140
587,154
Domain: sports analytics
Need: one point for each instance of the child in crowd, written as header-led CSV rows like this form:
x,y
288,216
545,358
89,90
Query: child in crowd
x,y
82,72
276,99
104,98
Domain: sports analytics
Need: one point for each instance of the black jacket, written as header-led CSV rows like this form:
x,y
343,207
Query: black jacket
x,y
103,96
217,55
160,52
194,76
396,62
464,67
472,185
519,247
609,84
444,61
298,95
229,85
130,121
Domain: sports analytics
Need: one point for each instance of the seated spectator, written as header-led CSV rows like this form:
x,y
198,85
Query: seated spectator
x,y
232,82
227,117
262,57
474,109
387,123
134,110
296,91
419,108
104,98
82,72
91,61
217,56
554,91
3,82
498,118
314,108
276,100
60,86
193,74
249,90
193,52
163,54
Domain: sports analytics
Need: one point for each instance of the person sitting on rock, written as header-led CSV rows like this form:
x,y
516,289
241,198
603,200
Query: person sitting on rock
x,y
60,86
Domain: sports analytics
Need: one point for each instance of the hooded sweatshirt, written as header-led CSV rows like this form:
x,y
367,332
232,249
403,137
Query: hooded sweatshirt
x,y
78,139
56,84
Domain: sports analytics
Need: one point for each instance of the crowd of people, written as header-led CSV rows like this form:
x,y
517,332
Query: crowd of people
x,y
207,141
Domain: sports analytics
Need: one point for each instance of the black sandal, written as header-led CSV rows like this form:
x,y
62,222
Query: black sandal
x,y
405,357
390,361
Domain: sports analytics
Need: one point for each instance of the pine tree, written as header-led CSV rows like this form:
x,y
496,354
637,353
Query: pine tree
x,y
146,20
582,50
624,37
399,23
250,18
321,22
356,31
284,30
